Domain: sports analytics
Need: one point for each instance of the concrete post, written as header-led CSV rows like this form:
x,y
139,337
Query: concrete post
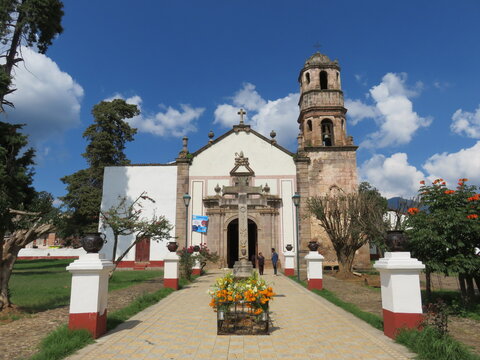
x,y
289,268
171,271
314,270
197,267
401,297
88,299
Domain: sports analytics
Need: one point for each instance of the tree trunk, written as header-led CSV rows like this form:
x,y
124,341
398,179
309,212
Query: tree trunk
x,y
6,267
120,258
428,285
115,242
463,288
345,264
470,289
477,281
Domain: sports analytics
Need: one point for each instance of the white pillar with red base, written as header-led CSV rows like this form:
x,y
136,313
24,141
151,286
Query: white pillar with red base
x,y
401,296
197,266
88,300
289,268
171,271
314,270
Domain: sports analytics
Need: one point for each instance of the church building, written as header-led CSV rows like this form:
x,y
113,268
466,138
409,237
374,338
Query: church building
x,y
204,183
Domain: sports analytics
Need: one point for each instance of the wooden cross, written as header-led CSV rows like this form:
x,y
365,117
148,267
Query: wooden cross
x,y
241,113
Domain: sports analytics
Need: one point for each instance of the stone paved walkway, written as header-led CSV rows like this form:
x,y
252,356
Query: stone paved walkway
x,y
183,326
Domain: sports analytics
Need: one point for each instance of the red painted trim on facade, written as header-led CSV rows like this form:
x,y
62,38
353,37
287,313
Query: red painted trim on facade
x,y
132,264
315,284
46,257
95,323
171,283
195,271
289,272
393,322
156,263
126,264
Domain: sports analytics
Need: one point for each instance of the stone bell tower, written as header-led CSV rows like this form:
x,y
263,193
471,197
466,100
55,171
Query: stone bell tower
x,y
326,156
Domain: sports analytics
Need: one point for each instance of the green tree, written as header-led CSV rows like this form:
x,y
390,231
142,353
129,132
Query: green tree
x,y
25,214
28,23
446,233
350,221
107,137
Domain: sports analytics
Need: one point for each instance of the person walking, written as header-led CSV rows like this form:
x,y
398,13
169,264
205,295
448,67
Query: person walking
x,y
274,261
261,263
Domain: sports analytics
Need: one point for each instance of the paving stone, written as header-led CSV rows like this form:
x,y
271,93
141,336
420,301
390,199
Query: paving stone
x,y
305,326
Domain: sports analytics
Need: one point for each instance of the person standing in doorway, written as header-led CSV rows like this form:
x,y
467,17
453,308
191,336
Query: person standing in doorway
x,y
274,261
261,263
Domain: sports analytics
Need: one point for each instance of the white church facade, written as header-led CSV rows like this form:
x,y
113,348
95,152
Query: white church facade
x,y
325,157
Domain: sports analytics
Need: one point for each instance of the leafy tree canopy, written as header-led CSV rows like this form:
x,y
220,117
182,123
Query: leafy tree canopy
x,y
107,137
27,22
16,174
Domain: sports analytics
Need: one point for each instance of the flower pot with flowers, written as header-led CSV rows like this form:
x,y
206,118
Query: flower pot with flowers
x,y
241,305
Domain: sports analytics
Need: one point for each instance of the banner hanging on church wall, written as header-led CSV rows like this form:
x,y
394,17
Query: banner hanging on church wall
x,y
199,223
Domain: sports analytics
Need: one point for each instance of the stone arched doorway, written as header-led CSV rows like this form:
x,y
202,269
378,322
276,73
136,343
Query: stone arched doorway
x,y
232,241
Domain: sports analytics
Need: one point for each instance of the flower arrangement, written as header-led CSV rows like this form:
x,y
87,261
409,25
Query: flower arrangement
x,y
253,292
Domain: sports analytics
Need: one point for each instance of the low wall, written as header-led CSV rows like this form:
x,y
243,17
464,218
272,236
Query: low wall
x,y
54,253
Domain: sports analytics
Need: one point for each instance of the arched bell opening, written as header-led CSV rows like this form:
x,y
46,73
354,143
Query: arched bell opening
x,y
327,132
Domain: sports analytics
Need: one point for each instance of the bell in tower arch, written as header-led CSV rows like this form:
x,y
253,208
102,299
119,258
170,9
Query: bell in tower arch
x,y
327,132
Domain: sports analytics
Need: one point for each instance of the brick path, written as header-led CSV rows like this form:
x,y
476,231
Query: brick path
x,y
183,326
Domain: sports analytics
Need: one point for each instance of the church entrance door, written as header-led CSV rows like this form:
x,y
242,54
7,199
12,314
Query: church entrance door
x,y
232,241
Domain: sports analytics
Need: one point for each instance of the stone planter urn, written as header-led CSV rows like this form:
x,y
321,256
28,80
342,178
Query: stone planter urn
x,y
172,246
397,240
93,242
289,247
313,246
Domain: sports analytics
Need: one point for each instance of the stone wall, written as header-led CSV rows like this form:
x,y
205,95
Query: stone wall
x,y
333,166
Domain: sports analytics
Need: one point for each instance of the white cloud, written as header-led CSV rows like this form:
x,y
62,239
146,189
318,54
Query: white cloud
x,y
47,99
466,123
392,176
357,111
169,122
453,166
392,111
264,115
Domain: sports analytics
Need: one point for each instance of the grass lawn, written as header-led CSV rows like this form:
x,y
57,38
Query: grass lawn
x,y
38,285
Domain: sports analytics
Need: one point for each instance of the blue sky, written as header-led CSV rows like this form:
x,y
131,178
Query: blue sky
x,y
409,74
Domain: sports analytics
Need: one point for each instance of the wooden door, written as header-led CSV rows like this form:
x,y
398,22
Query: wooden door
x,y
142,250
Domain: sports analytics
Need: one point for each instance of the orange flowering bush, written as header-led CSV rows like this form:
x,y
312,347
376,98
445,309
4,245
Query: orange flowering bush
x,y
253,292
444,230
413,211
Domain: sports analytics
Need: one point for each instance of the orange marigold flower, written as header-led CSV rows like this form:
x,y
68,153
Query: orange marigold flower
x,y
422,182
413,211
449,191
472,216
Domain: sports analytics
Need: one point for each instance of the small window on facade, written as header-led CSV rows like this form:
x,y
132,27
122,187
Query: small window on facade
x,y
307,77
309,125
327,132
323,80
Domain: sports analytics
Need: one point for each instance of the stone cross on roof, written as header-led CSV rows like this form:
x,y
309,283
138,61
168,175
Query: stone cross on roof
x,y
241,113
